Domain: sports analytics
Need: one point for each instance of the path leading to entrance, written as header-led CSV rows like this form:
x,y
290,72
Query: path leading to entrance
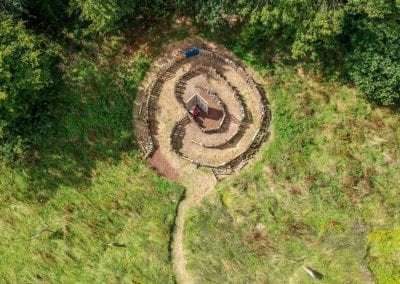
x,y
194,196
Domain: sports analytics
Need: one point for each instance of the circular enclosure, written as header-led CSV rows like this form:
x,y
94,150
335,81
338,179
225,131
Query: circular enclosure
x,y
203,107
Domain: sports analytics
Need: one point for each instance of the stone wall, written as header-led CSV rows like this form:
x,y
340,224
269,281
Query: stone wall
x,y
166,72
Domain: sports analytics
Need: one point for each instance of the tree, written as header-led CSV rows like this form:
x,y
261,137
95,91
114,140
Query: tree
x,y
15,8
216,14
359,38
101,16
27,79
51,15
373,56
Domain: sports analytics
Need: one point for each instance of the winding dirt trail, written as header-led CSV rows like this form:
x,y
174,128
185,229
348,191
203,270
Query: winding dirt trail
x,y
197,188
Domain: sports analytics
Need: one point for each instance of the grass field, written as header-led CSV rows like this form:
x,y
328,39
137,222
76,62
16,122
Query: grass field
x,y
83,207
324,194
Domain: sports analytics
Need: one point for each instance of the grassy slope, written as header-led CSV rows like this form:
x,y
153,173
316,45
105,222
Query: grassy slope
x,y
88,184
325,194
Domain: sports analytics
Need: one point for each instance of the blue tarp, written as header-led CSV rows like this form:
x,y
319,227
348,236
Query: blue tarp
x,y
192,52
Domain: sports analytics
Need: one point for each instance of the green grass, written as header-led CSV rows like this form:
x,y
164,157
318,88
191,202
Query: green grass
x,y
324,194
88,184
383,248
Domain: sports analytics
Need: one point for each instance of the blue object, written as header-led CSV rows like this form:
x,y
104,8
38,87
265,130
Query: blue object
x,y
192,52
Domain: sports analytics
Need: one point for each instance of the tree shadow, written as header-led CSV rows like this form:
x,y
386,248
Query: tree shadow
x,y
94,125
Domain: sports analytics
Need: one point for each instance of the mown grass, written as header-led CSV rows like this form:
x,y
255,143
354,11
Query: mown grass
x,y
83,207
324,194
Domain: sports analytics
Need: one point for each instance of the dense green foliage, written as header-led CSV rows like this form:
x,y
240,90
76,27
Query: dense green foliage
x,y
364,34
103,16
12,7
26,84
109,15
374,60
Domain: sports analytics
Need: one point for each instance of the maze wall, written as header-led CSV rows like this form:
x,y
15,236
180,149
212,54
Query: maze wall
x,y
244,116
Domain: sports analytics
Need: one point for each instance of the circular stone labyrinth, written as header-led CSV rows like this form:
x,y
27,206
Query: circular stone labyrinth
x,y
200,106
200,116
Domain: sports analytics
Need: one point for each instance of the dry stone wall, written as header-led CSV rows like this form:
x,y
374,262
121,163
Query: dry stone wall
x,y
147,141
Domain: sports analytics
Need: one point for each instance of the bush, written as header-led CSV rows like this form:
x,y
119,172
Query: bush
x,y
27,80
374,64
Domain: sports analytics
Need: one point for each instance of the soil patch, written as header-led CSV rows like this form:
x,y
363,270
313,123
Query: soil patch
x,y
162,166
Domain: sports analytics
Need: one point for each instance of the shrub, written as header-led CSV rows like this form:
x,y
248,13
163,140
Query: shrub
x,y
27,80
374,64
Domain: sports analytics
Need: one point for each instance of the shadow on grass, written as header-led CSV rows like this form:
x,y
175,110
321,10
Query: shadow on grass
x,y
94,123
94,126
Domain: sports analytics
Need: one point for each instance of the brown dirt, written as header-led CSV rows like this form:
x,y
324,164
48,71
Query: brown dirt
x,y
194,133
210,119
162,166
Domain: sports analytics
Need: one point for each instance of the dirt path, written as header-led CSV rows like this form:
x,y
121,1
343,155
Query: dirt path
x,y
196,190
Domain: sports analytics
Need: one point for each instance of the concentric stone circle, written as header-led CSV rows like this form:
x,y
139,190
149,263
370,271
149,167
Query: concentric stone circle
x,y
225,137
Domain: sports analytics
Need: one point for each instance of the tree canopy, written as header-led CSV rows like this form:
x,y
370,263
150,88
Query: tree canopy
x,y
26,80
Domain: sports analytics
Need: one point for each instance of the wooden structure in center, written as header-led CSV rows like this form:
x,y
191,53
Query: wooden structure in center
x,y
198,100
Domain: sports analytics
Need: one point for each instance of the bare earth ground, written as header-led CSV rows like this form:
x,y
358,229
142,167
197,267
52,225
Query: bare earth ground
x,y
210,119
194,133
163,167
198,182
